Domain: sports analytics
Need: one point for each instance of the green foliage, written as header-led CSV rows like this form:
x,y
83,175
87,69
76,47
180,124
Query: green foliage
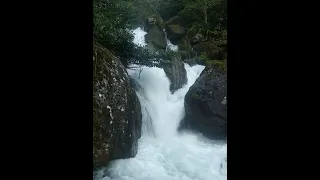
x,y
221,64
112,20
110,27
208,16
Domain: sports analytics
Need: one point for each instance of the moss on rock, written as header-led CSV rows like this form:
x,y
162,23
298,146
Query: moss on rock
x,y
220,64
159,20
175,33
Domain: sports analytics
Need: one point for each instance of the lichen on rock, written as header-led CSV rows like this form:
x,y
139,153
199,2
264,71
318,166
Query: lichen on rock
x,y
113,101
206,104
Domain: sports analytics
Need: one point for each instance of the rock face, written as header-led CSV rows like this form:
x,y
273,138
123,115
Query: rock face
x,y
176,73
154,20
116,110
150,23
156,38
175,33
176,20
206,104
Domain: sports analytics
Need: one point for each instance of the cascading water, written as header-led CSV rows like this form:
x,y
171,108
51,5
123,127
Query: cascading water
x,y
170,46
163,153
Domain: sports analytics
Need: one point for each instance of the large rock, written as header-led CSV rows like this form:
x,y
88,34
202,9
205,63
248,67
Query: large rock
x,y
116,110
154,20
176,73
206,104
175,33
156,38
150,23
176,20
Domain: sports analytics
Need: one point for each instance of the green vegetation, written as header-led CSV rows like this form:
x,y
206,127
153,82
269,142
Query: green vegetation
x,y
221,64
209,16
113,19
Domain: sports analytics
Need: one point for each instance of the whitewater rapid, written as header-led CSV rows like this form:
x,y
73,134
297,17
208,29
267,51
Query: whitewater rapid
x,y
163,153
140,40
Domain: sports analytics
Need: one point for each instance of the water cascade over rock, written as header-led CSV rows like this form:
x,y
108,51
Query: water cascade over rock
x,y
164,153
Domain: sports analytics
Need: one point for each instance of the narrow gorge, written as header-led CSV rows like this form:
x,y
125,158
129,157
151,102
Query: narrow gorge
x,y
160,106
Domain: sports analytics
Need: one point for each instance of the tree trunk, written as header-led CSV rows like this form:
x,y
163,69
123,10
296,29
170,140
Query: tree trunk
x,y
205,7
205,16
205,22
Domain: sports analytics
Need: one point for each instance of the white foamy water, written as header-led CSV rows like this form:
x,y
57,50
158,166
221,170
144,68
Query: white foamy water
x,y
163,153
140,40
170,46
139,37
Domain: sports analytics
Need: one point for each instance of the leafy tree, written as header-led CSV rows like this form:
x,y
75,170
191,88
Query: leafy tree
x,y
207,15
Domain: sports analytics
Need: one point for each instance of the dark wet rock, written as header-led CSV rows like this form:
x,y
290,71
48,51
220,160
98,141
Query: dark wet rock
x,y
206,104
150,23
116,110
154,20
175,33
156,38
176,73
176,20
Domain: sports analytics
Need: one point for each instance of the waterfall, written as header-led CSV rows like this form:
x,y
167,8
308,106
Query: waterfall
x,y
170,46
163,153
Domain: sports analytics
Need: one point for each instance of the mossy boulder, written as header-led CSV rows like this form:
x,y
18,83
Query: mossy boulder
x,y
218,64
159,20
175,20
150,23
116,110
157,38
175,33
206,104
154,20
